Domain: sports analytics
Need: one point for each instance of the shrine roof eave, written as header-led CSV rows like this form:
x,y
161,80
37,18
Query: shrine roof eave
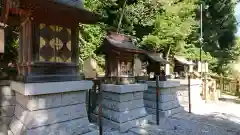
x,y
109,49
118,43
182,60
118,48
123,46
82,15
47,7
156,58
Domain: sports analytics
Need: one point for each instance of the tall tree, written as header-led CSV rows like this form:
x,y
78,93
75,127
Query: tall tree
x,y
172,27
219,28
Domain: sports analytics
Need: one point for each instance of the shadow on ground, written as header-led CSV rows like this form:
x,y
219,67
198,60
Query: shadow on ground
x,y
233,100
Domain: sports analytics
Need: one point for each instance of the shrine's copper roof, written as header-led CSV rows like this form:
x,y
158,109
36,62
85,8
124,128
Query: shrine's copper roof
x,y
183,60
156,57
73,3
59,8
120,42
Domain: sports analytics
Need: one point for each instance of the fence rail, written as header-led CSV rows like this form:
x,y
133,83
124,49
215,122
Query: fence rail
x,y
226,85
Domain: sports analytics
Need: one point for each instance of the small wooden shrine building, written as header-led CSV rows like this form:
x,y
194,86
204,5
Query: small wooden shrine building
x,y
182,65
48,37
154,63
119,53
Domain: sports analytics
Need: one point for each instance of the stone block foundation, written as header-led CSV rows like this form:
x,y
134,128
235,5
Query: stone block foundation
x,y
168,100
123,106
62,113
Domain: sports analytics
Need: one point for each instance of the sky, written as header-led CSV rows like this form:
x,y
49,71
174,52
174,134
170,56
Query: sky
x,y
237,14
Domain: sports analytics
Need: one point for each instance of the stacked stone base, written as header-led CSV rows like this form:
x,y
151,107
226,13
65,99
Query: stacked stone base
x,y
52,114
123,107
168,101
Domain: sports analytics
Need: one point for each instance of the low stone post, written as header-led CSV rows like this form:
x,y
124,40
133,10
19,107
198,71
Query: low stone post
x,y
53,108
122,106
168,101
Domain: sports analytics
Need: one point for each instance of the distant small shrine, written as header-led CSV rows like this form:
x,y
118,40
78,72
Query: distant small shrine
x,y
182,65
155,63
48,37
119,53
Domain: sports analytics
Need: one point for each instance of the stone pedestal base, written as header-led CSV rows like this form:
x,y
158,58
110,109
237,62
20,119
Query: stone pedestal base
x,y
122,106
168,101
54,113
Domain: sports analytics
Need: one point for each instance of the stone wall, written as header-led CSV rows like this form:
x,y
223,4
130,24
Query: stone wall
x,y
7,104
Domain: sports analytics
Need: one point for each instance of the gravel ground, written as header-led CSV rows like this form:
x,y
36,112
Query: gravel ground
x,y
212,118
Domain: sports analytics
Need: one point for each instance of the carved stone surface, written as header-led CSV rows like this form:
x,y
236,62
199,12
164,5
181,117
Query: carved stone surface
x,y
123,97
50,87
162,98
51,101
163,113
162,91
162,105
33,119
122,117
124,88
122,106
164,84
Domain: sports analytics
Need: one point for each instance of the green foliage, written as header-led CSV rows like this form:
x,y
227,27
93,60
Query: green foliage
x,y
169,26
11,47
10,55
172,27
219,28
91,36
